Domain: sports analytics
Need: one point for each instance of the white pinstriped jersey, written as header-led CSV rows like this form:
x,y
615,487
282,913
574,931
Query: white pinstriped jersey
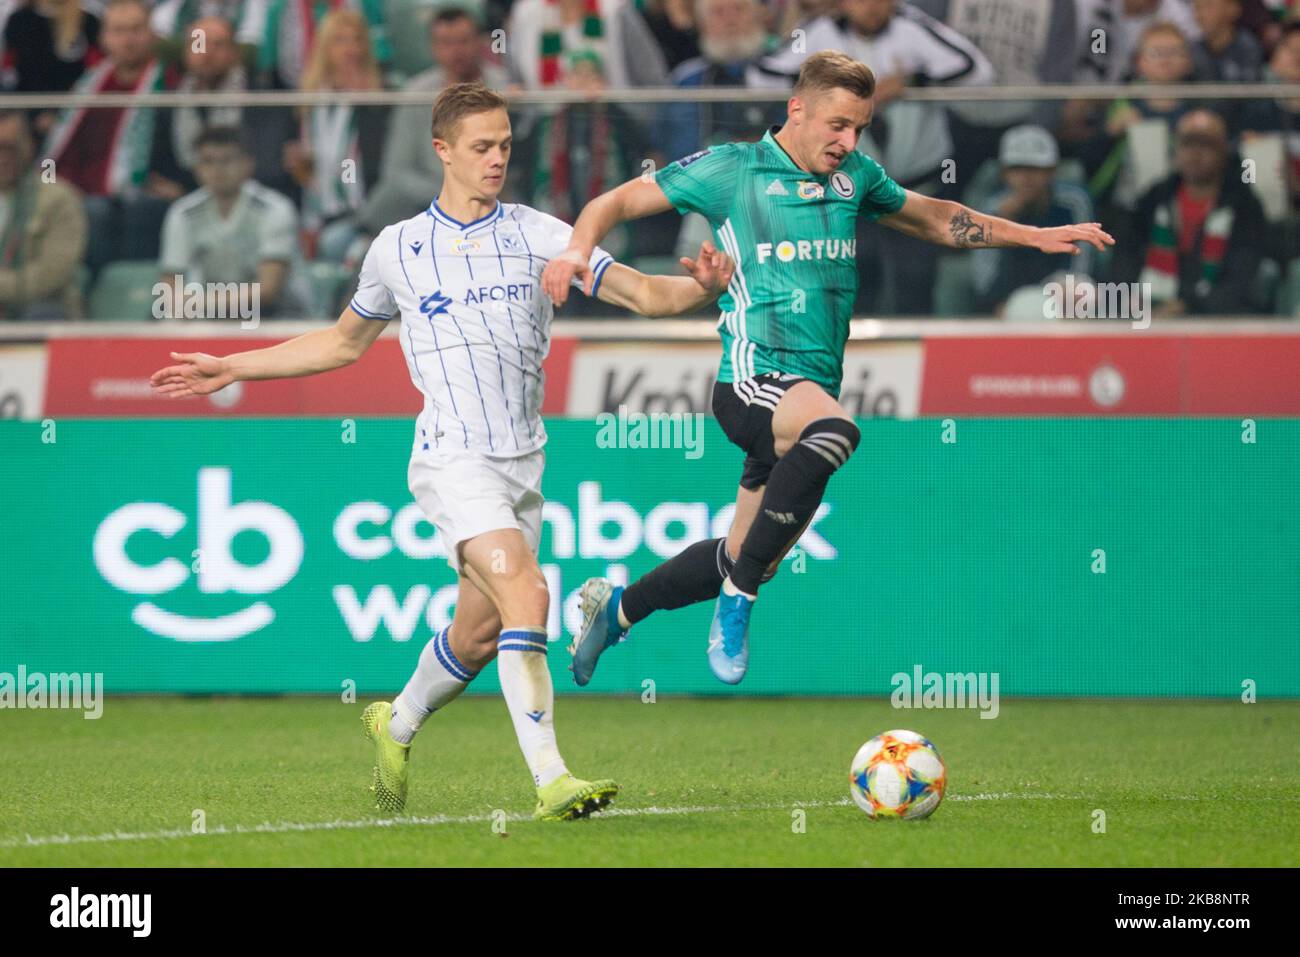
x,y
475,322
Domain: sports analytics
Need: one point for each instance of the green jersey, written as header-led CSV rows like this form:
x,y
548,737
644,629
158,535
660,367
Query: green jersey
x,y
793,236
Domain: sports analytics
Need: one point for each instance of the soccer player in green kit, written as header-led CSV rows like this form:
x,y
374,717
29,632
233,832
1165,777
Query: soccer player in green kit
x,y
784,209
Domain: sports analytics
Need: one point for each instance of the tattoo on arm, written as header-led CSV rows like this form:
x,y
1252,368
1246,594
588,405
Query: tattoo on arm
x,y
966,232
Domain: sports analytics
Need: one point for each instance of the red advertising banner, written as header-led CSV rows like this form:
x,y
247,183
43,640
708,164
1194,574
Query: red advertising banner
x,y
1119,375
1021,375
110,377
1242,375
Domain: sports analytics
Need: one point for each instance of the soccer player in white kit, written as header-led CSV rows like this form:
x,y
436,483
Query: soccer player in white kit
x,y
464,275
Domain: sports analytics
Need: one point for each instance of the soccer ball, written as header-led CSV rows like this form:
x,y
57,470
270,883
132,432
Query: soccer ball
x,y
898,774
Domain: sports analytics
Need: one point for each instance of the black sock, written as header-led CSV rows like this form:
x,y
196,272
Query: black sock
x,y
693,574
794,490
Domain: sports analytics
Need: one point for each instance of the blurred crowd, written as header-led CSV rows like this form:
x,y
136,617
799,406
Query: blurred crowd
x,y
98,203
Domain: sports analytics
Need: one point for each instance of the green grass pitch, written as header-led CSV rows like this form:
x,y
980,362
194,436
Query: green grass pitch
x,y
717,781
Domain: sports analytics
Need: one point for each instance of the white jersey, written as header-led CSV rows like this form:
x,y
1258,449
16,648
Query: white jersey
x,y
475,322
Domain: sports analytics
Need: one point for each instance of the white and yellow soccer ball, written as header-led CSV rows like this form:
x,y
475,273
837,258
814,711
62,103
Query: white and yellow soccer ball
x,y
898,774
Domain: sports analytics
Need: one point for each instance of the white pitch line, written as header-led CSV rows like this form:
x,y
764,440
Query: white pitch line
x,y
291,827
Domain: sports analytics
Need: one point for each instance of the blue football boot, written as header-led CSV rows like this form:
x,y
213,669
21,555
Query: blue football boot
x,y
729,637
600,627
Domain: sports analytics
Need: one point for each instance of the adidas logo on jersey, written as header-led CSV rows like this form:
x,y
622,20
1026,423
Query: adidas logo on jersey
x,y
777,188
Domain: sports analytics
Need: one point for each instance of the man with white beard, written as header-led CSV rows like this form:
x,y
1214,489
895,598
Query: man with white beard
x,y
732,36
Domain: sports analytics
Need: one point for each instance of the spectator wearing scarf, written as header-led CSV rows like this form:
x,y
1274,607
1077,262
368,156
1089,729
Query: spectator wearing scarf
x,y
583,149
291,31
111,150
175,19
1198,231
213,69
543,32
335,158
1163,55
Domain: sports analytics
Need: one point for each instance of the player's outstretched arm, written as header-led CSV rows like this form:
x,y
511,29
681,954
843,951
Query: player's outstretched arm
x,y
196,373
634,199
960,227
710,273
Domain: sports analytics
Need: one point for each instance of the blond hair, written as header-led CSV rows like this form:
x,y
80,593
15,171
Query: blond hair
x,y
833,70
316,75
459,101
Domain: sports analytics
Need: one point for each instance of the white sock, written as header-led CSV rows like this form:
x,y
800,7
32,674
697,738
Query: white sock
x,y
438,679
526,684
622,618
731,589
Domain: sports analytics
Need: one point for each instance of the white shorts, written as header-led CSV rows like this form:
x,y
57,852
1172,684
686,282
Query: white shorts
x,y
466,493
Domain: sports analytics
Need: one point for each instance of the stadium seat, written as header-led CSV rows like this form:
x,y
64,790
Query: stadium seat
x,y
1103,263
1267,286
954,290
124,291
1026,304
1288,297
407,22
981,187
1072,171
329,281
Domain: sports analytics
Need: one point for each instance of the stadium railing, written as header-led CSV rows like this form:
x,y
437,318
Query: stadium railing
x,y
112,288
